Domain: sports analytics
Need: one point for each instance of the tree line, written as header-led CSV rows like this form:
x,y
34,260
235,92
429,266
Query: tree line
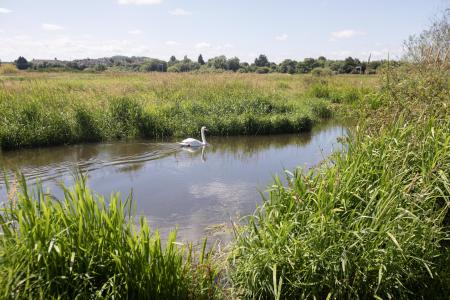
x,y
261,64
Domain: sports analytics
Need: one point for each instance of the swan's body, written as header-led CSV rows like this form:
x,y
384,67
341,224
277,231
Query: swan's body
x,y
190,142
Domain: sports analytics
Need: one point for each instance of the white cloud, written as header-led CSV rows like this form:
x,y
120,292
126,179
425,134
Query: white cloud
x,y
5,10
139,2
135,32
282,37
203,45
51,27
180,12
341,54
382,53
171,43
345,34
65,47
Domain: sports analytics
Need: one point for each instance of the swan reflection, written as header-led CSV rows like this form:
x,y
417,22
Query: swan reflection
x,y
196,150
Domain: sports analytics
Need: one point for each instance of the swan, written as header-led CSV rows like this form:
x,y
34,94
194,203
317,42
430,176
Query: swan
x,y
190,142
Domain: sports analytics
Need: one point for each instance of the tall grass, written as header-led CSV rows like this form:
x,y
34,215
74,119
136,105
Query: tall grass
x,y
44,109
371,225
86,247
8,69
374,221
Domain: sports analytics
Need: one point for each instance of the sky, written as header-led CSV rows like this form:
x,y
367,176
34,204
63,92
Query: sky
x,y
63,29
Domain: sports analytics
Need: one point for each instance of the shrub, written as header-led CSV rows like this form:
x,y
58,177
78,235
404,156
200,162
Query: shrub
x,y
262,70
22,63
100,68
321,72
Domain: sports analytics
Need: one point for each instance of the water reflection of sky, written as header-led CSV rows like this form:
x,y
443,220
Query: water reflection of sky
x,y
172,186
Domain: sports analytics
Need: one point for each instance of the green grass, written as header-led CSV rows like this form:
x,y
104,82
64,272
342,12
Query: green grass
x,y
38,109
373,221
86,247
370,225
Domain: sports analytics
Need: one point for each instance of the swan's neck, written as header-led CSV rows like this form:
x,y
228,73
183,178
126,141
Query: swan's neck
x,y
203,137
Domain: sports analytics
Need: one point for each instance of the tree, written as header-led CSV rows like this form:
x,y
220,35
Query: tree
x,y
173,60
321,61
233,64
219,62
287,66
100,68
22,63
154,65
350,64
200,60
262,61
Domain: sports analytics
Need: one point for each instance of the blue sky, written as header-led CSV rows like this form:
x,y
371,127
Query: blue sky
x,y
160,28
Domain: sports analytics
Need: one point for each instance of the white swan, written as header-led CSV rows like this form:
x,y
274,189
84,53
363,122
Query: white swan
x,y
190,142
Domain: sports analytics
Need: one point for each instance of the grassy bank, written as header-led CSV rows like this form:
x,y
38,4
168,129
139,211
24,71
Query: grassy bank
x,y
38,109
374,221
86,247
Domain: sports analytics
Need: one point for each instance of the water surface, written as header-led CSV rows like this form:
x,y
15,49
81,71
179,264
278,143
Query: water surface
x,y
196,190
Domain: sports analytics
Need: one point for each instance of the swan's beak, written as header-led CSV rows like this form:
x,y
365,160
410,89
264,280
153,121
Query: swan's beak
x,y
206,129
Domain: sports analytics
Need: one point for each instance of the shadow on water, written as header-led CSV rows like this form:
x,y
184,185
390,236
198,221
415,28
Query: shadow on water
x,y
196,189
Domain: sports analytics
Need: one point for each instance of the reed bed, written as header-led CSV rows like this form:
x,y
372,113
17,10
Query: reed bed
x,y
38,109
373,221
86,247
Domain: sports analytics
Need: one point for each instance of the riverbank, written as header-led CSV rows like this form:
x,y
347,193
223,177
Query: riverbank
x,y
44,109
372,221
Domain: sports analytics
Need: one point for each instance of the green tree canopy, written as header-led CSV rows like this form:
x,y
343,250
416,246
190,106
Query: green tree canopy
x,y
219,62
22,63
262,61
200,60
233,64
287,66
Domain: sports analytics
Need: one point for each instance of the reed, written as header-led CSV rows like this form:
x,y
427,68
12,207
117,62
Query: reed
x,y
373,221
38,109
86,247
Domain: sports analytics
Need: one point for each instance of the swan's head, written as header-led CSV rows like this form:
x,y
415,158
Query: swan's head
x,y
204,129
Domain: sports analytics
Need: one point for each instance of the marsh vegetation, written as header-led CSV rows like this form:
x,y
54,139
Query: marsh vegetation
x,y
371,221
41,109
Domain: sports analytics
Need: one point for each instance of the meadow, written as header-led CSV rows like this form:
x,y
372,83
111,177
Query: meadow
x,y
41,109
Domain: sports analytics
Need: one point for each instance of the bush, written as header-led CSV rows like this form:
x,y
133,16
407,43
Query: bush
x,y
320,72
22,63
262,70
100,68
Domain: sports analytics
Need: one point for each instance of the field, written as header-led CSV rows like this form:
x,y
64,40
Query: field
x,y
38,109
